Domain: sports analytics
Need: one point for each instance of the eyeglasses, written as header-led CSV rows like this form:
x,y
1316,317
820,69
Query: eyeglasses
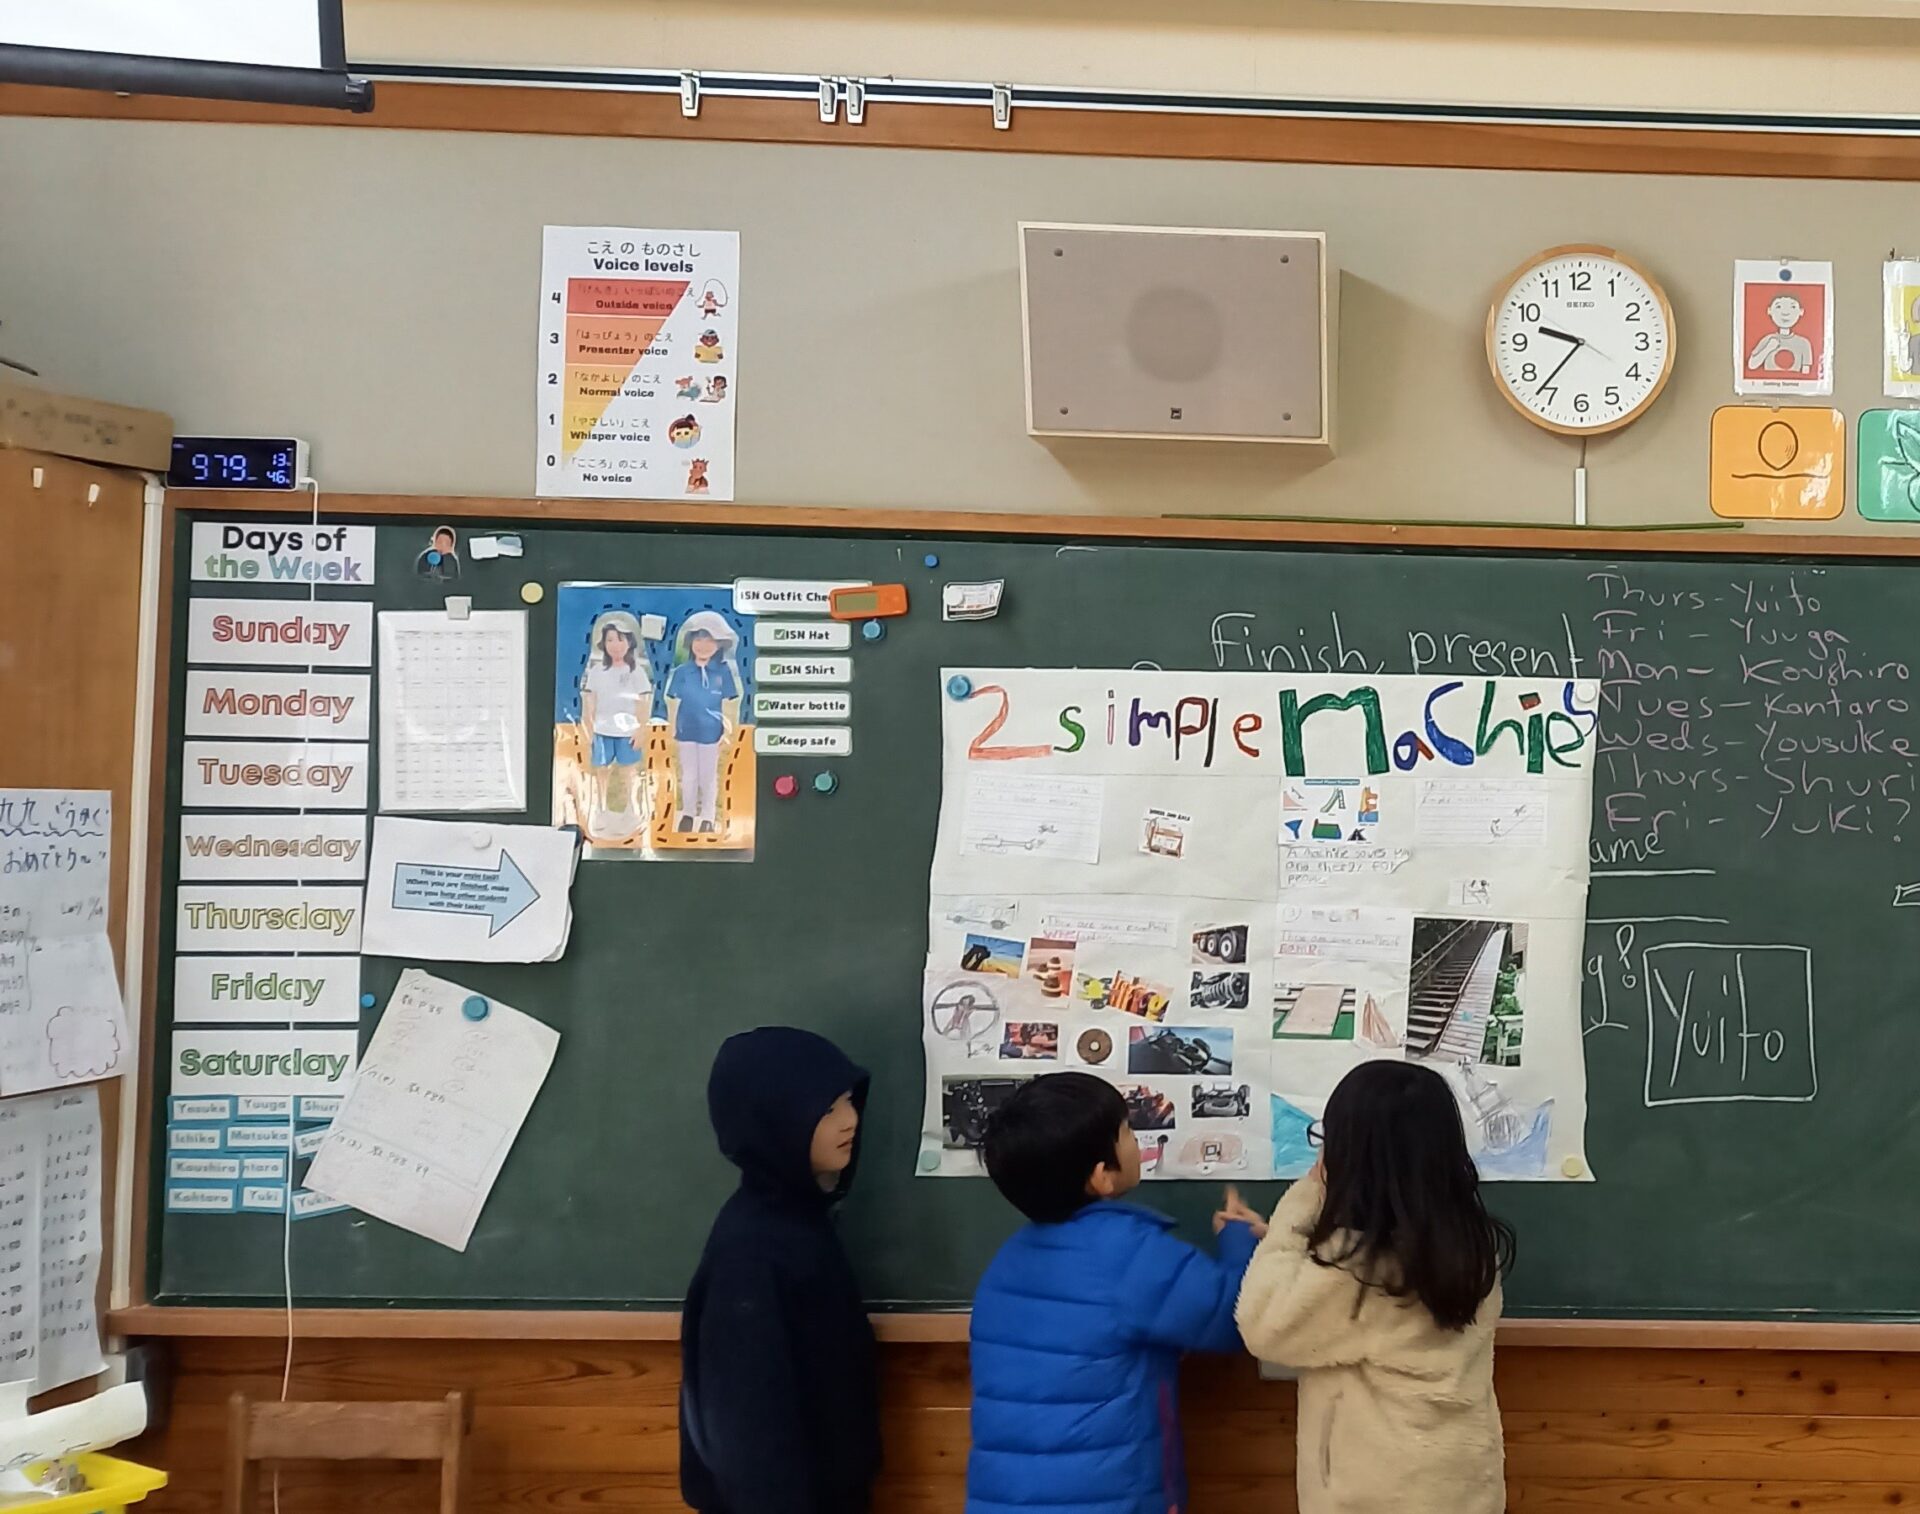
x,y
1316,1135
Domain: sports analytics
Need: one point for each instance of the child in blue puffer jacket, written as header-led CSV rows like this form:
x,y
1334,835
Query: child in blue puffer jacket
x,y
1080,1320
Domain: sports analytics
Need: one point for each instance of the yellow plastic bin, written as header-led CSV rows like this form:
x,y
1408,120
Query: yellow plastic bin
x,y
111,1484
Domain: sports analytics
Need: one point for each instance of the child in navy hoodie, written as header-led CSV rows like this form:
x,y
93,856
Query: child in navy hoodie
x,y
779,1408
1080,1320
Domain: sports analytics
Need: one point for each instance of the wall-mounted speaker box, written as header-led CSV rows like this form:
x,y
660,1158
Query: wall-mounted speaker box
x,y
1178,332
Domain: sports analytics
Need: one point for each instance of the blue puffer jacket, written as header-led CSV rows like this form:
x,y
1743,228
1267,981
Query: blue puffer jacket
x,y
1077,1335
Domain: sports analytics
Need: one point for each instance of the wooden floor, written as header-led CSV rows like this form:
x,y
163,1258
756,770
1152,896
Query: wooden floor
x,y
591,1428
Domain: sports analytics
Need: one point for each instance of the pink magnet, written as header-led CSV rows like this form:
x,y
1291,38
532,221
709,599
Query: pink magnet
x,y
786,786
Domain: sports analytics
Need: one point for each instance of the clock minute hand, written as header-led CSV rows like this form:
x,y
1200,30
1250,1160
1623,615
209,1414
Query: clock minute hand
x,y
1557,367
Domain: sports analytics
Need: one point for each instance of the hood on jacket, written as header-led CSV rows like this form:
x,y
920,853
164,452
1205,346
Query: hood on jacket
x,y
768,1091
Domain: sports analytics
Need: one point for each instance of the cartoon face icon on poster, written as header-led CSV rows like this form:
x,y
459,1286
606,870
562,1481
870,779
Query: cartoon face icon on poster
x,y
707,349
713,299
687,388
716,390
1782,328
697,476
440,562
684,432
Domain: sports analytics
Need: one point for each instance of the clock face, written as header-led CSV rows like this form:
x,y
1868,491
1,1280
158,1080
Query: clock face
x,y
1581,341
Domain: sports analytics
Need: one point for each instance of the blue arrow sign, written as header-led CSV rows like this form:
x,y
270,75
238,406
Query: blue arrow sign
x,y
502,893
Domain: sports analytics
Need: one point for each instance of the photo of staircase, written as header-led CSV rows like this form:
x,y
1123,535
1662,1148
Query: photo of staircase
x,y
1463,1003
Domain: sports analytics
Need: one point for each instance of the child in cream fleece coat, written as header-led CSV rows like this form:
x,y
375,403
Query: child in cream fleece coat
x,y
1397,1411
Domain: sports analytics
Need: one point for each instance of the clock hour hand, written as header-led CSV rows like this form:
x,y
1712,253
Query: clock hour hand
x,y
1562,336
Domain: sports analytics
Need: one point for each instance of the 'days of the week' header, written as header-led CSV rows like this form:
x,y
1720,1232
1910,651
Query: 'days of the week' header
x,y
246,552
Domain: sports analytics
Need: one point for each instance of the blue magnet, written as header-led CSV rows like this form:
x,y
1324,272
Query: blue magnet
x,y
366,1001
932,560
825,783
873,630
959,686
475,1007
433,559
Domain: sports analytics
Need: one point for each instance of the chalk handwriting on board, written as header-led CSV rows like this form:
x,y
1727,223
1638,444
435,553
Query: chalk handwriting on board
x,y
1729,1024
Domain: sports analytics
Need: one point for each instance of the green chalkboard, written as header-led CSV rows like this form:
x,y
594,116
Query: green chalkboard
x,y
1754,830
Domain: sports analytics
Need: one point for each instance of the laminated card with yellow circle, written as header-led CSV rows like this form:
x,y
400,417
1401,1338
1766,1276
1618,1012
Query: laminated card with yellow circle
x,y
1580,340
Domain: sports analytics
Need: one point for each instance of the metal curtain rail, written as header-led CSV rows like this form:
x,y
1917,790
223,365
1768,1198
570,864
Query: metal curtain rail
x,y
833,91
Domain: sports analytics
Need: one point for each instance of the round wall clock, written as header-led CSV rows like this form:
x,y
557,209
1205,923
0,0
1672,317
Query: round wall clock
x,y
1580,340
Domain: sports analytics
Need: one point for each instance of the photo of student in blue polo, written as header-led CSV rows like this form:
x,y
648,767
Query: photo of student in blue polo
x,y
653,756
703,705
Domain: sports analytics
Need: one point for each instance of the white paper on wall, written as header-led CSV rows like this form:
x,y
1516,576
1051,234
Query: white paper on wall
x,y
62,1018
453,710
437,1106
50,1237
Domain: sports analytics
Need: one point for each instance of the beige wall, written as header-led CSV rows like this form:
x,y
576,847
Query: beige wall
x,y
375,292
1356,49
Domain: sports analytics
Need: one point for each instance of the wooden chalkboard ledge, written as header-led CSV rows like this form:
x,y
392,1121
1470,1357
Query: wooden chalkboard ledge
x,y
649,1325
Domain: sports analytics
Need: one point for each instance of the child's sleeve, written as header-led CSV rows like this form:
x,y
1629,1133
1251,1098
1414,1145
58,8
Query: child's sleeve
x,y
751,1431
1177,1296
1292,1310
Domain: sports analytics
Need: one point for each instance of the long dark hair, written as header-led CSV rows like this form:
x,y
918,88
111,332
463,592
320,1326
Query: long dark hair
x,y
1403,1208
606,657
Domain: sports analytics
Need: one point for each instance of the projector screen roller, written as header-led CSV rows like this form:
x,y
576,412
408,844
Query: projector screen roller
x,y
270,33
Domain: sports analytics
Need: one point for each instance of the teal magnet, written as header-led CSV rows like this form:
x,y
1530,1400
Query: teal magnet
x,y
873,630
476,1008
825,783
959,686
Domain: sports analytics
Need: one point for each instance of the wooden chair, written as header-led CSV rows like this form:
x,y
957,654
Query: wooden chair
x,y
260,1431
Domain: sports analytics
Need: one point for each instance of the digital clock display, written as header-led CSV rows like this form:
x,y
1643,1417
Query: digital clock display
x,y
237,462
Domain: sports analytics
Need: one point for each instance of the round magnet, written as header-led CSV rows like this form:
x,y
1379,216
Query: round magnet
x,y
367,1001
786,786
480,838
433,559
1094,1046
1585,691
1573,1167
959,686
475,1007
929,1161
825,783
532,594
932,560
873,630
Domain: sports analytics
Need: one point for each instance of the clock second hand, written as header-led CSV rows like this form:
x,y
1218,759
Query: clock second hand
x,y
1567,336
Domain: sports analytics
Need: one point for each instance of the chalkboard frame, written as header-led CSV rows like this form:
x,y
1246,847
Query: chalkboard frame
x,y
141,1317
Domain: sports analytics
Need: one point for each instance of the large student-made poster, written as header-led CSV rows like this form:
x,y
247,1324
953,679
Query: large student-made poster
x,y
1222,891
652,733
639,362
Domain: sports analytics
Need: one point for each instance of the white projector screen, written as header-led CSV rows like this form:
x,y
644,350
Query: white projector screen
x,y
274,33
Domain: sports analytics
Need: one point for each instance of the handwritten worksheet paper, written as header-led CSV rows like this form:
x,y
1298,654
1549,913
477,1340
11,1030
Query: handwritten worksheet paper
x,y
453,710
438,1103
1033,817
1509,811
49,1238
62,1020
